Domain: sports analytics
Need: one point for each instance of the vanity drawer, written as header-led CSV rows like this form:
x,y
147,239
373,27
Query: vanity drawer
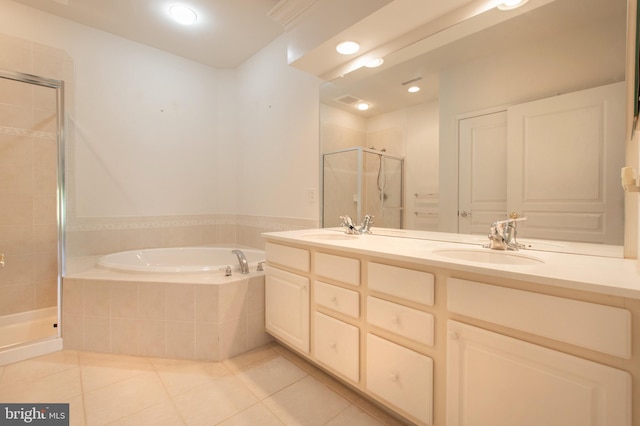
x,y
337,298
407,322
400,376
409,284
589,325
291,257
343,269
337,345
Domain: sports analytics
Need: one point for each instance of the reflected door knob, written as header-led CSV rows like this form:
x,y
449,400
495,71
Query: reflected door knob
x,y
465,213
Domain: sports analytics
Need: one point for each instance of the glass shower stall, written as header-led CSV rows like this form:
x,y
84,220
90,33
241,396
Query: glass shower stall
x,y
31,208
359,181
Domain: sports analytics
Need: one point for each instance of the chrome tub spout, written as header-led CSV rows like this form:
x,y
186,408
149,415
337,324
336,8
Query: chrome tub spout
x,y
242,260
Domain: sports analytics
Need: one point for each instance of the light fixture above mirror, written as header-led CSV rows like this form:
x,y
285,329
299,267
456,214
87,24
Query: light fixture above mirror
x,y
348,47
511,4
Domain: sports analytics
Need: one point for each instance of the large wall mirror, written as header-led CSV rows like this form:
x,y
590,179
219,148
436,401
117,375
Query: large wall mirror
x,y
518,112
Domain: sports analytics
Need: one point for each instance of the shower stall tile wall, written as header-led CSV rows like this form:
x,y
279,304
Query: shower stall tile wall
x,y
33,81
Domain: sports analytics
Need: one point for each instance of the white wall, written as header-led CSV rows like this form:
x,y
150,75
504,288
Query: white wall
x,y
156,134
153,131
278,137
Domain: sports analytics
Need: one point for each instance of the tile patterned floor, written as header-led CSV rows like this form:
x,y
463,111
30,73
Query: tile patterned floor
x,y
268,386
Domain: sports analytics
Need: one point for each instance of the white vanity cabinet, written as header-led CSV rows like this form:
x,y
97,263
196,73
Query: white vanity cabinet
x,y
497,380
401,376
337,345
503,380
396,303
456,347
287,295
336,314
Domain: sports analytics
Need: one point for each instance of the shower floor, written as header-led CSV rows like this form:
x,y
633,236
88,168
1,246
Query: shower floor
x,y
28,327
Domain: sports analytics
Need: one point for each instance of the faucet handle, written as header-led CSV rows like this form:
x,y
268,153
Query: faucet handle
x,y
227,270
365,228
346,220
260,267
348,224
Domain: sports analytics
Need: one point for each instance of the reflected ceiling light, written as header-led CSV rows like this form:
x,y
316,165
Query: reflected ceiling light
x,y
363,106
347,47
413,89
374,63
511,4
183,14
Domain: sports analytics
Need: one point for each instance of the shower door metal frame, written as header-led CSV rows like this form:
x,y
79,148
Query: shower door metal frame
x,y
58,85
359,175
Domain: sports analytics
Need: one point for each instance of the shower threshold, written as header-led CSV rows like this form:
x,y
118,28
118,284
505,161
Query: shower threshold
x,y
25,327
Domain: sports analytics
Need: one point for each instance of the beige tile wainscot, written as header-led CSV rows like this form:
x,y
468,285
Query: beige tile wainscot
x,y
436,340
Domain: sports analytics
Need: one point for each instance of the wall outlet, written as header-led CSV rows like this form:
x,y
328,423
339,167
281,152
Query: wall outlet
x,y
311,195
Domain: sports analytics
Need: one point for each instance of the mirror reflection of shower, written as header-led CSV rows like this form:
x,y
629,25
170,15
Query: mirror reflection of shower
x,y
358,181
381,180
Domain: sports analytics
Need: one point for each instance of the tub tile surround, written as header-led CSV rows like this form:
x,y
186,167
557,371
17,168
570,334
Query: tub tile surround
x,y
211,321
100,236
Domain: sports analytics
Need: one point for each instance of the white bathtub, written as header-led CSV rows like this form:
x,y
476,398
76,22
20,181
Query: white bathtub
x,y
179,259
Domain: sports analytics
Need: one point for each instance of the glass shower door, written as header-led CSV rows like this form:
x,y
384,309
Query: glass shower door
x,y
359,181
30,207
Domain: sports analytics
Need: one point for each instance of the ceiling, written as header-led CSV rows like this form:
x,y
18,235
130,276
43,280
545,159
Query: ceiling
x,y
226,34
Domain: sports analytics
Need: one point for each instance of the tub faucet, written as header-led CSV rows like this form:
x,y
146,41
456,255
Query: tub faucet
x,y
242,260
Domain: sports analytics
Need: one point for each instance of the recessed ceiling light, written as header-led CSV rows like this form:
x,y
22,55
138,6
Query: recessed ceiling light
x,y
511,4
183,14
363,106
413,89
374,63
348,47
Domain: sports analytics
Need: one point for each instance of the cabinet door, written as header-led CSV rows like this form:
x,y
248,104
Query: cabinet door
x,y
500,381
287,307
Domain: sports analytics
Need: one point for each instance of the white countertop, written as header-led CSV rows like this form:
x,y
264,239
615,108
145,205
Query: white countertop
x,y
600,274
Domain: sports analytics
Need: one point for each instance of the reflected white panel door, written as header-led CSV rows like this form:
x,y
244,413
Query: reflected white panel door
x,y
482,172
564,160
500,381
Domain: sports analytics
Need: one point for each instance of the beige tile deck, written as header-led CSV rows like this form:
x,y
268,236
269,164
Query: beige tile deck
x,y
267,386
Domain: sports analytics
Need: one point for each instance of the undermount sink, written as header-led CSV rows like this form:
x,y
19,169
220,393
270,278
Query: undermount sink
x,y
330,236
489,256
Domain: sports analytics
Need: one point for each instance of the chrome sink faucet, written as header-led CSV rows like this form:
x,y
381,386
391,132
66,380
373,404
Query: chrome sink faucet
x,y
502,234
350,228
242,260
